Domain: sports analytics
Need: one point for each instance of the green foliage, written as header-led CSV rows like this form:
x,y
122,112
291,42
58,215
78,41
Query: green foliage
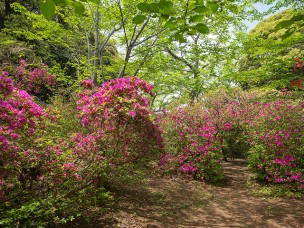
x,y
269,53
139,19
47,8
185,17
79,8
65,169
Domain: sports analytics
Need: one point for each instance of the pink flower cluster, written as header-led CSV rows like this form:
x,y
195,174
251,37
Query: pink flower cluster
x,y
266,129
119,113
19,117
191,147
33,80
88,84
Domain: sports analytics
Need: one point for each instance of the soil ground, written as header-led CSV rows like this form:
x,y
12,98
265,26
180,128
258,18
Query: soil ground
x,y
177,202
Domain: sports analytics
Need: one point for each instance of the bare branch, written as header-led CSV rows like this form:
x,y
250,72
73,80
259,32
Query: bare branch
x,y
175,56
140,65
149,37
140,31
109,36
123,23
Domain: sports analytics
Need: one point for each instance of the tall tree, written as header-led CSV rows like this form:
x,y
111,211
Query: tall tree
x,y
269,53
197,57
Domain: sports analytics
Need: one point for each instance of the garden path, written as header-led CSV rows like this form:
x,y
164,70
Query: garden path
x,y
177,202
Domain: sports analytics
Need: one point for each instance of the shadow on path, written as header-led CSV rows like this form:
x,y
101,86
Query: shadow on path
x,y
176,202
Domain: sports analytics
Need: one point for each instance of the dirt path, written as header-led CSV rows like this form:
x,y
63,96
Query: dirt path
x,y
175,202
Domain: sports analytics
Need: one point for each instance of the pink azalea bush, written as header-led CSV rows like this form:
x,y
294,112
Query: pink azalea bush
x,y
298,69
30,160
45,154
119,116
228,112
34,79
19,119
192,147
268,131
278,142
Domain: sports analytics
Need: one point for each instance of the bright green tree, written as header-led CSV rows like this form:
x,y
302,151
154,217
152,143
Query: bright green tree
x,y
268,54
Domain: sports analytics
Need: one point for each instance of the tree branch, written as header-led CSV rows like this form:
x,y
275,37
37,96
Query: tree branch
x,y
149,37
123,23
144,59
180,59
109,36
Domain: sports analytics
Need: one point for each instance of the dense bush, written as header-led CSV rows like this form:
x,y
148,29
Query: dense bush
x,y
51,157
117,114
265,127
278,142
34,79
192,146
20,155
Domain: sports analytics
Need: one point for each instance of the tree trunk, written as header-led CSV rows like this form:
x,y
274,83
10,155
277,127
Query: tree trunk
x,y
96,57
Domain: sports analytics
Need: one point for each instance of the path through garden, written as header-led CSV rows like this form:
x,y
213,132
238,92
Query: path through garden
x,y
177,202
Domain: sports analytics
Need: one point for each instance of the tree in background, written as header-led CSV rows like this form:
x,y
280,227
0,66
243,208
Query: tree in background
x,y
269,54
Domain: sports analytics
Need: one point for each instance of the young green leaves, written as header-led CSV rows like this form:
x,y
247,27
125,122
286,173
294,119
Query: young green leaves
x,y
189,20
48,7
286,24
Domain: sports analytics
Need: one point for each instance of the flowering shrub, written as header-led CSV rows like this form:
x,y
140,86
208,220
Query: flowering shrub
x,y
35,80
228,112
298,64
278,142
19,119
192,147
299,70
266,129
42,167
118,114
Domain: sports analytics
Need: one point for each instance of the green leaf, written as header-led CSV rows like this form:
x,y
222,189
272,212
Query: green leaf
x,y
232,8
95,1
47,8
197,18
139,19
143,7
213,6
191,32
298,18
283,24
287,34
167,8
202,28
169,5
163,18
201,9
162,4
287,23
153,7
171,25
62,2
78,8
179,37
